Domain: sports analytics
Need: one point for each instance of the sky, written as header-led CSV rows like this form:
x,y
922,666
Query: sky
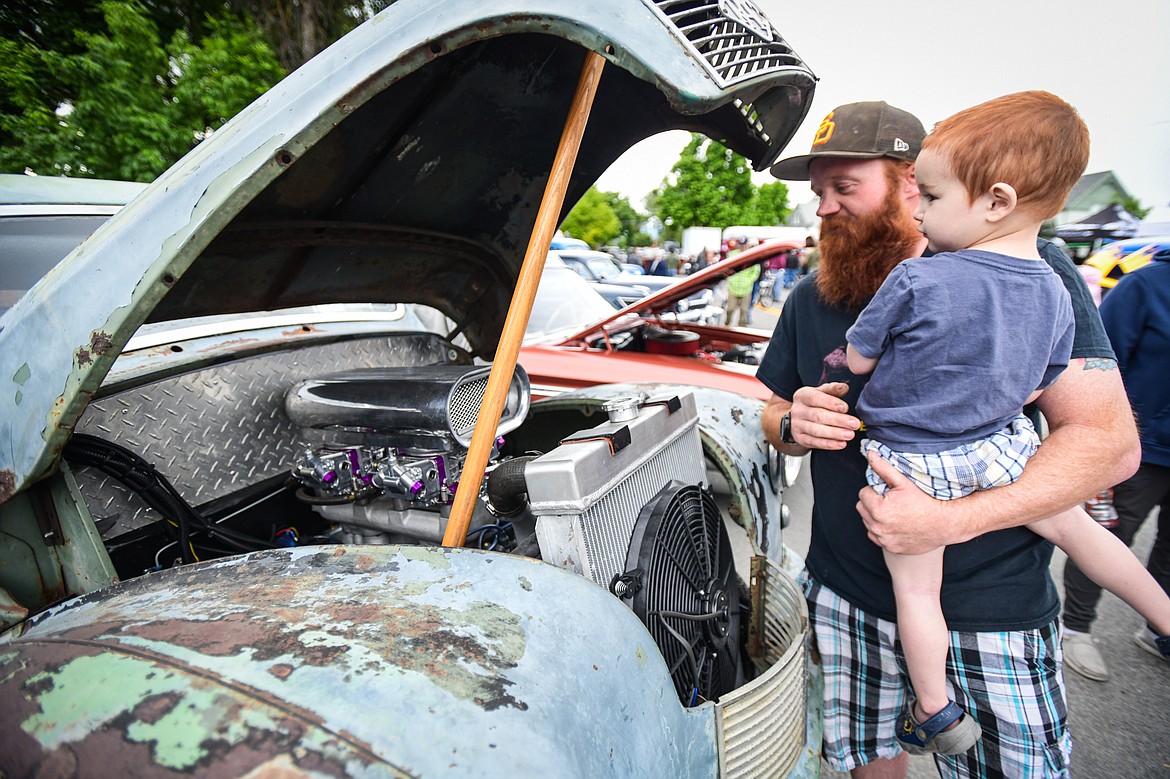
x,y
1111,60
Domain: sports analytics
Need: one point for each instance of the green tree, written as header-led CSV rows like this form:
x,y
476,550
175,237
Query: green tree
x,y
127,107
769,206
711,185
299,29
1132,206
631,221
592,219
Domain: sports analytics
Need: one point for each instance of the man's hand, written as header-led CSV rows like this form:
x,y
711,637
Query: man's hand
x,y
820,419
906,520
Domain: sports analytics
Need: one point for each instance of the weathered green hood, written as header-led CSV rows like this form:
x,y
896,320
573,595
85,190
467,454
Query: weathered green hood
x,y
404,164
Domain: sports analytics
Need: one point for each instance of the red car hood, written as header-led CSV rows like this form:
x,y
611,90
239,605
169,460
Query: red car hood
x,y
665,299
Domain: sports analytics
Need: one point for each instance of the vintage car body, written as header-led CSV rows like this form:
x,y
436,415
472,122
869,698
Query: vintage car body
x,y
644,342
224,478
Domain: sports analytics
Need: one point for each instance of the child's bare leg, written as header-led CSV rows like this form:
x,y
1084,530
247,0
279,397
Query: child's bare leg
x,y
1105,559
921,626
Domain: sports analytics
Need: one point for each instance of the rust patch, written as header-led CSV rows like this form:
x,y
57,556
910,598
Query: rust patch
x,y
7,484
281,670
99,344
156,707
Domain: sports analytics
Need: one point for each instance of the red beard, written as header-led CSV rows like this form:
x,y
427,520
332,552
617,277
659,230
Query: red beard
x,y
857,253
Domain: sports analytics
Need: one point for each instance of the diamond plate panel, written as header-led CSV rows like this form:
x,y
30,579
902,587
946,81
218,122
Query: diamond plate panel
x,y
215,431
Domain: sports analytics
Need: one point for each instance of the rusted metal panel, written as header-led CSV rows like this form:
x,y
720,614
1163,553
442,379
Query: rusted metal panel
x,y
348,661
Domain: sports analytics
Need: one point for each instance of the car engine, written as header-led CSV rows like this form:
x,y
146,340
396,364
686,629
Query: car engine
x,y
385,447
374,455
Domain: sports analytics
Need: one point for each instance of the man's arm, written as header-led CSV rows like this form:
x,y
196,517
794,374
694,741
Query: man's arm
x,y
1092,444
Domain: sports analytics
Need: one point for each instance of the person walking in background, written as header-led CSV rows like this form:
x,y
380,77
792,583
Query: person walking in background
x,y
956,430
1092,278
1136,314
672,261
791,268
810,257
997,595
739,293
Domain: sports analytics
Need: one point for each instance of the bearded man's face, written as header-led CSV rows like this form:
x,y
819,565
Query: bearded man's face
x,y
866,227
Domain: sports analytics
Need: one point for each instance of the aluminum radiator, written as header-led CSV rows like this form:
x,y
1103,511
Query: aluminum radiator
x,y
587,493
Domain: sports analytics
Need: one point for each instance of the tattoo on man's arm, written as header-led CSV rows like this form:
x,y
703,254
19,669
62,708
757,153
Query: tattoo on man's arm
x,y
1100,364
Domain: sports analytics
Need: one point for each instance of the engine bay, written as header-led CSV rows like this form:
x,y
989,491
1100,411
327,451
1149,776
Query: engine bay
x,y
374,455
695,341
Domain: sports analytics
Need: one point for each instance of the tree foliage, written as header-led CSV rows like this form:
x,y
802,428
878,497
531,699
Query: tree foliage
x,y
629,217
593,218
299,29
768,206
1132,206
123,88
124,105
712,185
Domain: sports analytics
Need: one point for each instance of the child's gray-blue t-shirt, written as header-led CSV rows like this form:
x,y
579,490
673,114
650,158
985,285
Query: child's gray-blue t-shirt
x,y
963,339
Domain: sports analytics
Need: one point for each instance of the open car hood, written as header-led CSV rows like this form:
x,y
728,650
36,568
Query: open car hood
x,y
405,163
664,300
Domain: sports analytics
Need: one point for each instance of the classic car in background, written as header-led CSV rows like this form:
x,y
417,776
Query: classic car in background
x,y
609,273
227,464
43,218
1116,259
572,343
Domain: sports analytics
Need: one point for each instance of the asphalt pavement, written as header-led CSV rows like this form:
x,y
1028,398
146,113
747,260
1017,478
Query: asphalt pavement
x,y
1121,728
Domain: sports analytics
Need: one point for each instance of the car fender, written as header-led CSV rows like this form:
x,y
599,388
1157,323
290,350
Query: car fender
x,y
365,661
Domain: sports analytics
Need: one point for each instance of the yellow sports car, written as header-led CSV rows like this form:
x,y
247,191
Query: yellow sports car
x,y
1116,259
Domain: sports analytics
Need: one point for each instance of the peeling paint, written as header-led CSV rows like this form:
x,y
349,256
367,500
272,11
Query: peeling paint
x,y
100,343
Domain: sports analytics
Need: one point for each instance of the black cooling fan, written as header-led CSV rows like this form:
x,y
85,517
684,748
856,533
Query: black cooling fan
x,y
680,580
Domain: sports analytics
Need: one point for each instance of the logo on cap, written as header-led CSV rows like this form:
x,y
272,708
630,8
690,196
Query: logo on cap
x,y
900,145
825,131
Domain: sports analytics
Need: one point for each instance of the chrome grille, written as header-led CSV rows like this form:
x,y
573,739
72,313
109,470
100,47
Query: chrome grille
x,y
762,724
733,37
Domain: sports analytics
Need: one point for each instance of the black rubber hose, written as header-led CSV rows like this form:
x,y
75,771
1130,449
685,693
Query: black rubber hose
x,y
145,480
507,489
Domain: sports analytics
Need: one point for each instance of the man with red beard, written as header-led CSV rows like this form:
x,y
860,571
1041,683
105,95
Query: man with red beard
x,y
998,598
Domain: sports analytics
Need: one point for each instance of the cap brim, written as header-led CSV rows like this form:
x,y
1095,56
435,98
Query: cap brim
x,y
796,168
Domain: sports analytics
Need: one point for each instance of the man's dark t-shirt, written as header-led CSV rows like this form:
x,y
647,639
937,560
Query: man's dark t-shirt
x,y
996,582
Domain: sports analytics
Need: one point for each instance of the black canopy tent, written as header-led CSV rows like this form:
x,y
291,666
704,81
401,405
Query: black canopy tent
x,y
1112,223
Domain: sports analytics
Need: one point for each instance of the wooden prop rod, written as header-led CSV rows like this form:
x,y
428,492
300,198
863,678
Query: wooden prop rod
x,y
508,351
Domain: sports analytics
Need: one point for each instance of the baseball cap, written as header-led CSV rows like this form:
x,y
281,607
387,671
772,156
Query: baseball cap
x,y
861,131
